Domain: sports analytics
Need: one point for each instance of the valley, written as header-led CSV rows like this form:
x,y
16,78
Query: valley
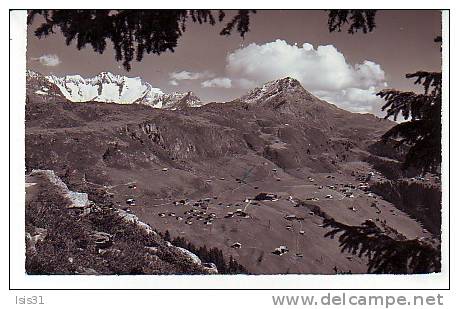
x,y
196,172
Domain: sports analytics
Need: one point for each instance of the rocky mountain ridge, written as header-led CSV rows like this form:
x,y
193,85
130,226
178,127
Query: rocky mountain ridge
x,y
106,87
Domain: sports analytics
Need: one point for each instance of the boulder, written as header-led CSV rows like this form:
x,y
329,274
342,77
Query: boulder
x,y
102,240
210,267
39,234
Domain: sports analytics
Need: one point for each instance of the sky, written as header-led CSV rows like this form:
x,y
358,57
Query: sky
x,y
341,68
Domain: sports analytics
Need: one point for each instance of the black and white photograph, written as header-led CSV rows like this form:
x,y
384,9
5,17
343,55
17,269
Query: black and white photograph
x,y
220,146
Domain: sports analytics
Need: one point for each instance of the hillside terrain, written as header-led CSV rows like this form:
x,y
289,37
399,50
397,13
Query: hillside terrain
x,y
252,177
66,233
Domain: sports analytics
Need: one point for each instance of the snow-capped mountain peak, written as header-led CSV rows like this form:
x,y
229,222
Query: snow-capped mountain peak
x,y
107,87
112,88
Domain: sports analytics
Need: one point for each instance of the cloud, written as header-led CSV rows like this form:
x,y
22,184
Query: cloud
x,y
173,82
355,100
48,60
324,71
185,75
245,83
220,82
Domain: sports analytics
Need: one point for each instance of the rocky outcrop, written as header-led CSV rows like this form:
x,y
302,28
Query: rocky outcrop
x,y
131,218
210,267
77,199
38,235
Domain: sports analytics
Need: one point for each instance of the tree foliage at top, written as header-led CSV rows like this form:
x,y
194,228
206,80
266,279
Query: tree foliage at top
x,y
136,32
385,254
358,20
132,32
422,131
